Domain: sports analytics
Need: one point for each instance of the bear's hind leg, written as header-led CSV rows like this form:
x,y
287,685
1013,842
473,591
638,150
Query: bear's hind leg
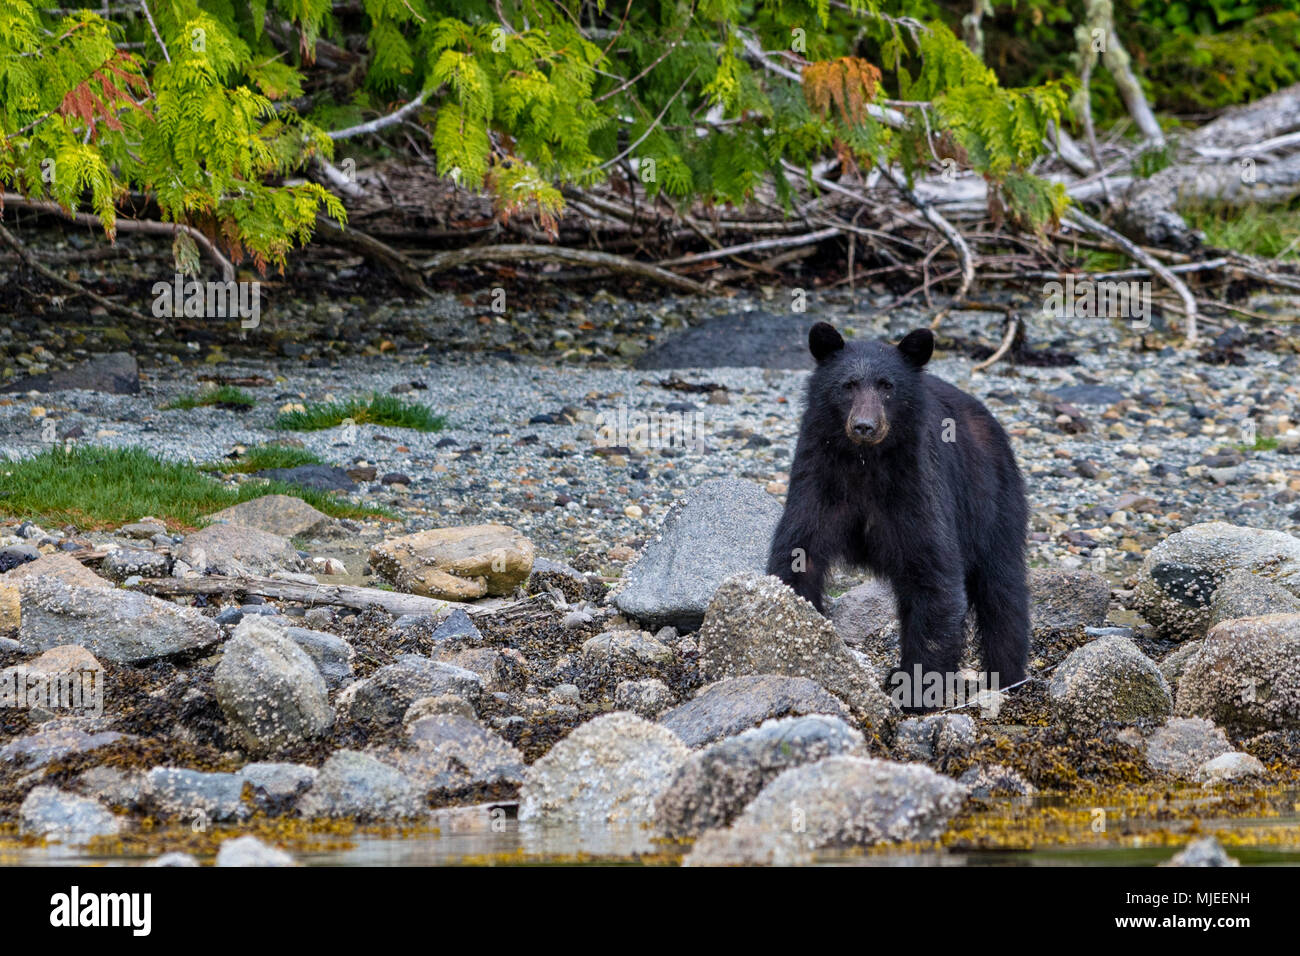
x,y
999,595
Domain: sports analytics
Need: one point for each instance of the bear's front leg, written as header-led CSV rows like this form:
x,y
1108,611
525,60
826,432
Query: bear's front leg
x,y
931,613
799,554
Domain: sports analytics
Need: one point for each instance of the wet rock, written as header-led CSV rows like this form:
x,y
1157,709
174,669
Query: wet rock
x,y
610,770
730,706
55,741
269,689
1207,851
276,787
716,783
1181,574
382,699
722,528
646,698
453,754
1107,680
113,374
1246,676
1245,594
113,786
331,654
195,796
282,515
838,803
995,780
236,550
867,615
757,625
1227,767
66,817
1064,598
250,851
1173,663
1181,744
358,785
456,564
125,562
934,737
121,626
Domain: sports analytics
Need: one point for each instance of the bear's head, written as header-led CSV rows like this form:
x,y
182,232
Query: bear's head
x,y
873,388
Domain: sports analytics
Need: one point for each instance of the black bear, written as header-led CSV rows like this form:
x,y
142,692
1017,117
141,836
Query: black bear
x,y
898,472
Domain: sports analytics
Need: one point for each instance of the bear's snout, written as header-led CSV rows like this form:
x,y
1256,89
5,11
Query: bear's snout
x,y
866,423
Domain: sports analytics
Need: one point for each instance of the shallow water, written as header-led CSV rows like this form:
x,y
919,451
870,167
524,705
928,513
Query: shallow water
x,y
1145,830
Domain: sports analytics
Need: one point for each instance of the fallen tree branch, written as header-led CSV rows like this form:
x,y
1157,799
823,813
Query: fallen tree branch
x,y
455,258
383,122
759,245
33,263
1013,326
403,269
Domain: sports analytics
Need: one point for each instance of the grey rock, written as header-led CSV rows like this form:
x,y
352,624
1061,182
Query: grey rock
x,y
1207,851
114,374
866,617
454,754
56,740
1173,663
358,785
113,786
1227,767
837,804
646,698
269,689
282,515
934,737
1063,598
125,562
432,706
1245,594
174,858
755,624
382,699
315,477
125,627
250,851
58,815
995,780
728,707
716,783
1182,744
1179,577
1107,680
194,795
1246,676
610,770
721,528
572,584
332,655
276,787
236,550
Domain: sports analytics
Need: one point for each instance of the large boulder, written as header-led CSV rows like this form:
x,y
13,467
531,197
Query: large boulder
x,y
1067,598
196,796
610,770
1181,744
755,624
1108,680
1246,676
716,783
1245,594
269,689
382,699
125,627
236,550
836,804
1177,584
730,706
723,527
284,515
456,564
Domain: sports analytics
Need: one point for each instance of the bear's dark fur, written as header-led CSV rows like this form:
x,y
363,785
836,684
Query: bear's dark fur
x,y
900,473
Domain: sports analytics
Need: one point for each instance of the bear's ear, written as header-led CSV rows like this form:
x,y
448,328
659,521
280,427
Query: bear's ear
x,y
917,347
824,341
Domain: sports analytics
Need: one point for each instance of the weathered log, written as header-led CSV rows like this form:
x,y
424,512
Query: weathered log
x,y
342,595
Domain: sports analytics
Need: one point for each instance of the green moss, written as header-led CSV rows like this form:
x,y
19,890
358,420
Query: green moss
x,y
227,396
387,410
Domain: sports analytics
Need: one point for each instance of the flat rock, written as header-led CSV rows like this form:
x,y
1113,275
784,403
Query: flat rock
x,y
275,787
125,627
722,528
1230,766
727,707
331,654
315,477
59,566
283,515
739,340
53,742
196,796
456,564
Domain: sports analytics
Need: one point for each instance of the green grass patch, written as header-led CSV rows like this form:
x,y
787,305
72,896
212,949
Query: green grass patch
x,y
226,396
1261,444
264,457
387,410
1268,231
95,487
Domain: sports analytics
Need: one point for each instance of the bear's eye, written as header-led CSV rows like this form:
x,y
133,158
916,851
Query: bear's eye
x,y
851,384
885,385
